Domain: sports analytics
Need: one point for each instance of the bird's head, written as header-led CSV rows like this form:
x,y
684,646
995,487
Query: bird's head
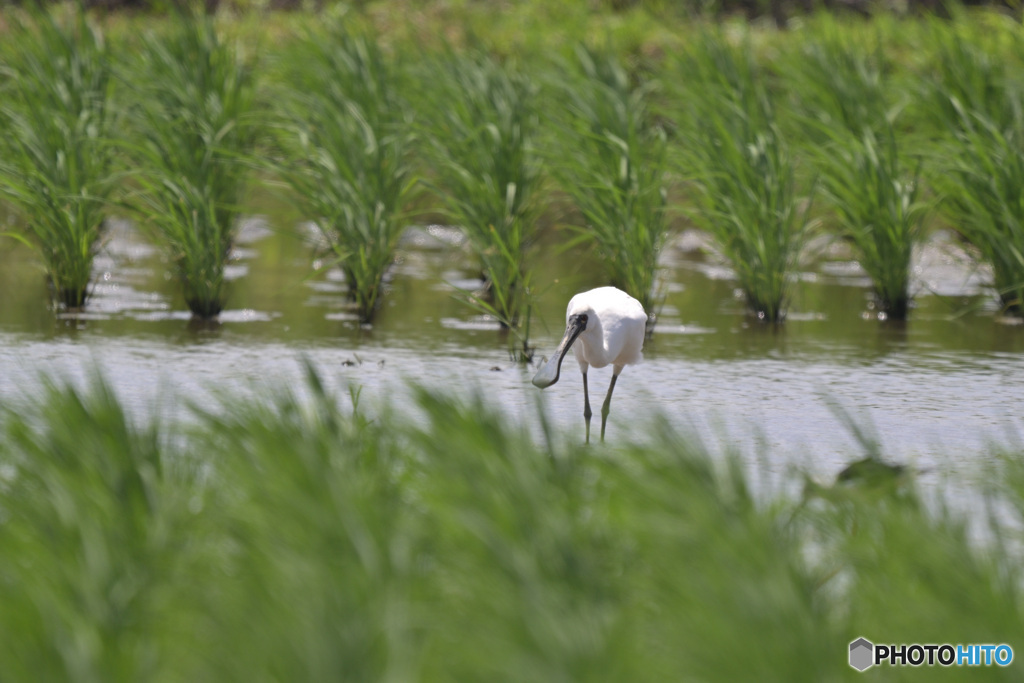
x,y
548,374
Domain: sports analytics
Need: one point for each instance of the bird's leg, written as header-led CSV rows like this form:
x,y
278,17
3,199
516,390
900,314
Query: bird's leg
x,y
606,408
586,406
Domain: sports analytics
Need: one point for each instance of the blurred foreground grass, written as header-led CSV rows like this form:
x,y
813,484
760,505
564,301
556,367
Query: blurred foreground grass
x,y
294,539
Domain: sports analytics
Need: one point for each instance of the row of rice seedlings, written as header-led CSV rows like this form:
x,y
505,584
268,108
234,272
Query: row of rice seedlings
x,y
874,190
479,128
312,541
612,159
345,136
192,133
744,175
56,158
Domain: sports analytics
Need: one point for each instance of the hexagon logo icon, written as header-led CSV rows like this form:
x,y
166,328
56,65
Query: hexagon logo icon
x,y
862,653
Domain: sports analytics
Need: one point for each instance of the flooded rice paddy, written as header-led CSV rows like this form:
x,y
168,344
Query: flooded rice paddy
x,y
937,390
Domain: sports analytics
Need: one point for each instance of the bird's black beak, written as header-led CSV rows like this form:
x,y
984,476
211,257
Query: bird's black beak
x,y
548,374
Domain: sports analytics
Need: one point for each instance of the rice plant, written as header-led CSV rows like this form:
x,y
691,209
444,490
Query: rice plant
x,y
875,194
976,100
298,535
841,93
56,156
981,180
743,172
480,125
346,136
100,525
975,73
193,131
838,86
611,159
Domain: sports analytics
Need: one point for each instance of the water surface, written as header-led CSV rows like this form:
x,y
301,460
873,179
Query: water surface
x,y
937,389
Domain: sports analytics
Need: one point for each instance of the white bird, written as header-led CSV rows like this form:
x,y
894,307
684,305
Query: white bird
x,y
609,326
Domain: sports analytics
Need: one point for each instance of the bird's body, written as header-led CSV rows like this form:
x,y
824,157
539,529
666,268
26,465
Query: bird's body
x,y
604,326
615,331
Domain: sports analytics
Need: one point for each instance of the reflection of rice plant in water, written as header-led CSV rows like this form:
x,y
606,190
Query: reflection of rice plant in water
x,y
611,159
742,170
192,132
55,151
479,131
345,135
840,92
